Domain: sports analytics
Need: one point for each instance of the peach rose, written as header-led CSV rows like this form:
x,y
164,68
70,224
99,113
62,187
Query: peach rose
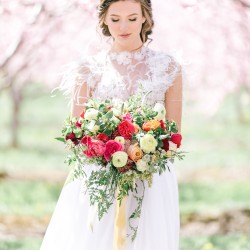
x,y
134,152
151,125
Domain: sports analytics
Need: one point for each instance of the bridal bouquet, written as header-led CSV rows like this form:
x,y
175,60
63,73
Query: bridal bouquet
x,y
127,142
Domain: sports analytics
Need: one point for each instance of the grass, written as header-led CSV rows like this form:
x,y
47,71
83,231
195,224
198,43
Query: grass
x,y
38,198
33,198
218,242
22,244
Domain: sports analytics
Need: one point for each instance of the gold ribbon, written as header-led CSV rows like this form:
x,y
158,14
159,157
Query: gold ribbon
x,y
120,228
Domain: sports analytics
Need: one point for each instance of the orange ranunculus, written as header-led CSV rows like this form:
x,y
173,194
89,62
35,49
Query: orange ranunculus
x,y
151,125
134,152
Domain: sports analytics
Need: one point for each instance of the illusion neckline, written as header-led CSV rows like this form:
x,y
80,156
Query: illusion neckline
x,y
125,57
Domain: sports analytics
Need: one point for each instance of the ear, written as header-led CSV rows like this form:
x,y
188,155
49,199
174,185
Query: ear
x,y
143,20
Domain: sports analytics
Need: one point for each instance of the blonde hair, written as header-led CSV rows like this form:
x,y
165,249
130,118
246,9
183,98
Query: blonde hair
x,y
147,26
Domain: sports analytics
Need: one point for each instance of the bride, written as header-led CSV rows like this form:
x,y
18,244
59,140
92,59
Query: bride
x,y
117,73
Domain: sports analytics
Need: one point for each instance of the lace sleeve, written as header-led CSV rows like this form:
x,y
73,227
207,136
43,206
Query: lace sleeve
x,y
76,75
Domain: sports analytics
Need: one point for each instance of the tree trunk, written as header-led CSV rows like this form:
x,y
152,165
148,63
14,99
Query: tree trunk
x,y
16,97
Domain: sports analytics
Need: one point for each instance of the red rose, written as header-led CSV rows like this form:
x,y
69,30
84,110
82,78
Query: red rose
x,y
165,144
97,148
162,124
126,129
102,137
127,117
109,108
71,136
112,147
86,140
176,138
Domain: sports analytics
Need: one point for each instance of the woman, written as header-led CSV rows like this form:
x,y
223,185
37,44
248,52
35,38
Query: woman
x,y
118,73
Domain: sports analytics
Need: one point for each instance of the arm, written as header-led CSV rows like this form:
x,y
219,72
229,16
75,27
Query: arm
x,y
173,101
78,103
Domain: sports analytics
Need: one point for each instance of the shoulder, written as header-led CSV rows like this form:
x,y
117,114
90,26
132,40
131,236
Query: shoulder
x,y
165,60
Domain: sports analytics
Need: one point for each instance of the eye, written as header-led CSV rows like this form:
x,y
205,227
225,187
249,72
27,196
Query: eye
x,y
133,20
115,20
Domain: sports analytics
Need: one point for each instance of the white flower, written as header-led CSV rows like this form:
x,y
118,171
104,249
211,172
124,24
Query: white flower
x,y
92,127
91,114
172,146
148,143
120,139
119,159
141,165
161,111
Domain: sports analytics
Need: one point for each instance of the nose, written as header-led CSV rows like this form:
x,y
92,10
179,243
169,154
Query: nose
x,y
123,26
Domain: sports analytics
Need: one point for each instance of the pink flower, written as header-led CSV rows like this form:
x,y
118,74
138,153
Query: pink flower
x,y
127,117
112,146
95,148
98,147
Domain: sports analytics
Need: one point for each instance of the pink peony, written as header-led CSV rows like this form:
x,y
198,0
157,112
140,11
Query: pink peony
x,y
98,147
112,146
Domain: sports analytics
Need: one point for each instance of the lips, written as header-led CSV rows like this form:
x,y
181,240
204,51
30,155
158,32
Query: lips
x,y
125,35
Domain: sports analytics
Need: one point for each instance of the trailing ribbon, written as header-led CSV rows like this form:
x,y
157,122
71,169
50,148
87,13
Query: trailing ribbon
x,y
120,227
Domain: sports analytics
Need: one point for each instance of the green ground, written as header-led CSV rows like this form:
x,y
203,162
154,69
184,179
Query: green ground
x,y
213,179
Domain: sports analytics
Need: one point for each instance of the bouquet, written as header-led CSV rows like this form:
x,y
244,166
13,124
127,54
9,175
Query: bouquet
x,y
129,142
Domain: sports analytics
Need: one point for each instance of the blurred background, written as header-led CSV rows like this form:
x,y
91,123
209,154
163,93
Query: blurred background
x,y
210,38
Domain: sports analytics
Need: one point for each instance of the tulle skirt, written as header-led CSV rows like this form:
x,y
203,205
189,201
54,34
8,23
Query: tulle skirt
x,y
75,225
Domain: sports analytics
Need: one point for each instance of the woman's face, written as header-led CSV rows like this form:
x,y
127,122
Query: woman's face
x,y
124,20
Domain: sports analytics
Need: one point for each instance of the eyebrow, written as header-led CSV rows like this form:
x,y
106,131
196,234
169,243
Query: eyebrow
x,y
128,15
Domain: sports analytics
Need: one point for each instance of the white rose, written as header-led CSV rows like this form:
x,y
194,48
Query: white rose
x,y
91,114
141,165
148,143
120,139
161,111
92,127
119,159
172,146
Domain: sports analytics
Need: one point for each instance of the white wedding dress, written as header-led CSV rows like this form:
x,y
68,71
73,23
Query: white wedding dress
x,y
74,224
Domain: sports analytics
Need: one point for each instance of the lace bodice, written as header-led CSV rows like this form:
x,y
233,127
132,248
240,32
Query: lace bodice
x,y
118,75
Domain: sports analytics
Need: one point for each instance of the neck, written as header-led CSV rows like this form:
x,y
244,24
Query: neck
x,y
119,48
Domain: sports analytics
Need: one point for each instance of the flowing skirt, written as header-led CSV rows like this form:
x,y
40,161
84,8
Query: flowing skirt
x,y
75,225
